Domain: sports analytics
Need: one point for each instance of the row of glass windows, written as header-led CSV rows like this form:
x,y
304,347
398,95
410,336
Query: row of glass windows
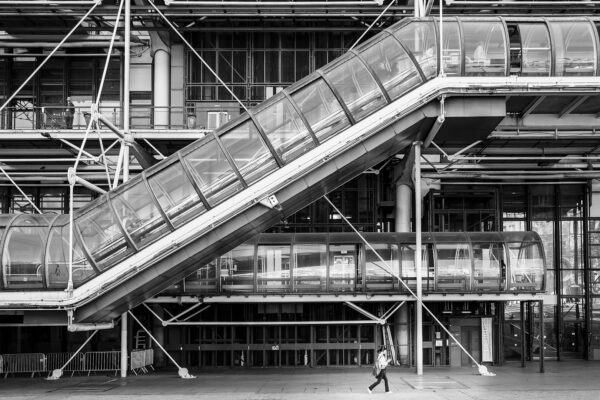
x,y
454,266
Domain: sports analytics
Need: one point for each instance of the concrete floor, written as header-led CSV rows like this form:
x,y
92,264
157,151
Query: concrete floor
x,y
571,380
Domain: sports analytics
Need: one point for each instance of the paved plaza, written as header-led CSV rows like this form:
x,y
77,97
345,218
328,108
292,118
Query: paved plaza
x,y
562,380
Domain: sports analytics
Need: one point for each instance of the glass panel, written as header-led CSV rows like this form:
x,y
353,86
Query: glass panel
x,y
140,215
251,156
237,269
419,38
535,55
58,259
453,267
310,267
595,282
376,272
285,130
274,268
356,87
22,258
212,172
392,66
342,271
571,245
408,267
176,195
546,231
102,236
574,48
572,283
573,330
204,279
321,109
485,48
452,57
490,268
526,267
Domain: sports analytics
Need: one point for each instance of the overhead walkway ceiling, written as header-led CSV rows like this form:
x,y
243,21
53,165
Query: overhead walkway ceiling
x,y
319,133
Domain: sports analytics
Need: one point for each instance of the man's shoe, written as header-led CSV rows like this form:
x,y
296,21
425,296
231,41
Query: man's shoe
x,y
369,390
388,392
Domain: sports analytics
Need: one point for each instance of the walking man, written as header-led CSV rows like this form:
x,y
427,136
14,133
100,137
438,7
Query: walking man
x,y
69,113
381,364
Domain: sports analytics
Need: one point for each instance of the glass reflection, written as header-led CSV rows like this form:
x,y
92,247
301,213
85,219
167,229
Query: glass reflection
x,y
574,48
285,130
342,269
58,258
409,268
273,268
356,87
393,66
249,153
489,272
176,195
420,39
377,274
22,256
453,267
451,57
321,109
536,52
212,172
526,266
485,48
237,269
310,267
102,235
139,214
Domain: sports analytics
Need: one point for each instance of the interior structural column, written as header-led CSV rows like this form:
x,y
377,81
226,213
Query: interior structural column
x,y
158,331
403,216
162,62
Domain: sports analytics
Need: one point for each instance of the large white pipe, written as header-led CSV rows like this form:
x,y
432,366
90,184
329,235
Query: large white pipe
x,y
162,61
418,260
403,217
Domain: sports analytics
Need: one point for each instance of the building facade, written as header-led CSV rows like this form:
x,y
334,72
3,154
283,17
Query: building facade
x,y
510,162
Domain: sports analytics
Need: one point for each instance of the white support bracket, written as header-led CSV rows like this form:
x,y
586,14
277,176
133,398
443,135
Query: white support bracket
x,y
271,202
73,179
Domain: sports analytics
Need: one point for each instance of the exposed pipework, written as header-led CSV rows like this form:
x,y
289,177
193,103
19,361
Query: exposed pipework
x,y
519,3
71,45
256,3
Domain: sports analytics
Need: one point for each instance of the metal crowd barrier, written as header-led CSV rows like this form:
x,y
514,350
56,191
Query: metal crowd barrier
x,y
24,363
102,361
57,360
140,359
93,361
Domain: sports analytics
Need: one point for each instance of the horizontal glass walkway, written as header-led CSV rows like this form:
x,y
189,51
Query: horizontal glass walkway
x,y
317,118
474,262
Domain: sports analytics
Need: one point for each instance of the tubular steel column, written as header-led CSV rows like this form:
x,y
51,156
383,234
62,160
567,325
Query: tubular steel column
x,y
542,337
126,71
522,305
418,260
403,214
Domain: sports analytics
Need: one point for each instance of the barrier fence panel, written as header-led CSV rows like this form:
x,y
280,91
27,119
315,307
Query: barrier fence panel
x,y
137,361
24,363
1,365
140,359
102,361
150,358
57,360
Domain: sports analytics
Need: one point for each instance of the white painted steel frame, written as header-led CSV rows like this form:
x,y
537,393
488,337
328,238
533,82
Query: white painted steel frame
x,y
250,197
